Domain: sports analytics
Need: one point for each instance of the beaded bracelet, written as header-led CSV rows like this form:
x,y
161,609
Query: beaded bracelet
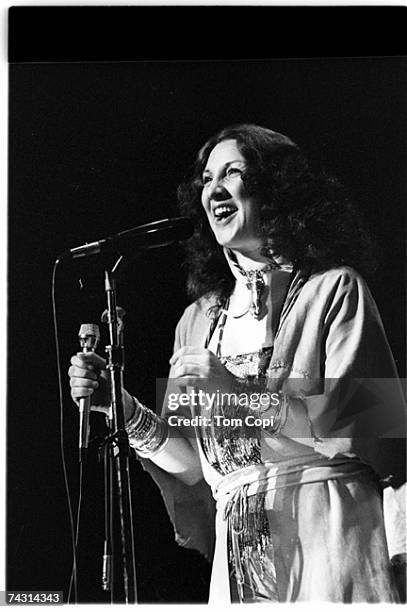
x,y
147,432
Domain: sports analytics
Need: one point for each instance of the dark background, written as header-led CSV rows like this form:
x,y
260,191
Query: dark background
x,y
101,134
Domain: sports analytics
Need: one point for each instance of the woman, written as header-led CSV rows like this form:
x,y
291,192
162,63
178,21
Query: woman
x,y
280,315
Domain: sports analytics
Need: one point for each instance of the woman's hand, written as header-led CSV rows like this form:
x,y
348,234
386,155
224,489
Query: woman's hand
x,y
200,368
88,377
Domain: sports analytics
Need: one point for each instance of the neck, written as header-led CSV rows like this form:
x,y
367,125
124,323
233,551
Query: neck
x,y
250,260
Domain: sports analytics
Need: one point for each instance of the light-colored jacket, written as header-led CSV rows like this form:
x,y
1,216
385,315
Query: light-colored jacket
x,y
332,359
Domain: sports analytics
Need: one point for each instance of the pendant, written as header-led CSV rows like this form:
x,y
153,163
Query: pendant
x,y
255,284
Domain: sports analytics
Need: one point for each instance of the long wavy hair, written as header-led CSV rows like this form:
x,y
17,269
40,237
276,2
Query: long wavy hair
x,y
305,216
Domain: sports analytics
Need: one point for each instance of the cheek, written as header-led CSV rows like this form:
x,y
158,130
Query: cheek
x,y
251,211
206,205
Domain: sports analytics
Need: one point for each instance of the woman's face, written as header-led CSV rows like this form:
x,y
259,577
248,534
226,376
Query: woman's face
x,y
232,213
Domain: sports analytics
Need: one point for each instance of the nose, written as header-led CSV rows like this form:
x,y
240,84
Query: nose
x,y
217,190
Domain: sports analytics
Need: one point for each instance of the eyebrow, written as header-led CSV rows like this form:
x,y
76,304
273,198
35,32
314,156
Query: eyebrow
x,y
229,163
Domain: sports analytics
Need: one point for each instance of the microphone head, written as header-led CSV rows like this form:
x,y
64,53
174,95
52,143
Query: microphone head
x,y
89,336
156,234
148,236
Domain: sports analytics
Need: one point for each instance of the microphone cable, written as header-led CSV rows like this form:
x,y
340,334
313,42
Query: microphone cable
x,y
73,531
74,573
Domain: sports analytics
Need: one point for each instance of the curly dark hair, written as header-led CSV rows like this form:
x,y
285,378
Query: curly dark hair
x,y
306,215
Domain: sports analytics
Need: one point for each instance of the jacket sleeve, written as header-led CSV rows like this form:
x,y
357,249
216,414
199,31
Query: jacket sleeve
x,y
191,509
362,405
362,411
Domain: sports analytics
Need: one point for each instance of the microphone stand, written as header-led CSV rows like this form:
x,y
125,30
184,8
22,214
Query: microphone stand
x,y
117,474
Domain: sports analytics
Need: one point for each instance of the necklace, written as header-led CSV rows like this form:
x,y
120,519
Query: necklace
x,y
219,317
254,281
255,284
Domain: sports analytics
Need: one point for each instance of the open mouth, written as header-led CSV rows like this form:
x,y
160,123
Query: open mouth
x,y
224,212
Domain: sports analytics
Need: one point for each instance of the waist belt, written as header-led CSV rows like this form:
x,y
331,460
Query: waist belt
x,y
268,476
232,494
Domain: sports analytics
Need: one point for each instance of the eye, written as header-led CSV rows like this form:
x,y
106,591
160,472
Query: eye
x,y
232,171
206,179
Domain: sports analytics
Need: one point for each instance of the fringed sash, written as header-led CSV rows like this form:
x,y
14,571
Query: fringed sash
x,y
243,517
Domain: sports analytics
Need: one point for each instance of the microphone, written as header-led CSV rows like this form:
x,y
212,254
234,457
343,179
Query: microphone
x,y
89,336
148,236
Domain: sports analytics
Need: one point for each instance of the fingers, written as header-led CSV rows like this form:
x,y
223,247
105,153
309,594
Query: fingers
x,y
85,370
196,364
87,375
187,381
78,392
199,361
82,387
190,350
77,381
83,377
90,361
188,369
192,361
78,372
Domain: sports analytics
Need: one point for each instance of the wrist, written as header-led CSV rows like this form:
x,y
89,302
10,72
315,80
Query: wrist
x,y
131,407
147,432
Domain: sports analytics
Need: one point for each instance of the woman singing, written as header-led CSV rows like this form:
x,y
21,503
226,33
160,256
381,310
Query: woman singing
x,y
284,327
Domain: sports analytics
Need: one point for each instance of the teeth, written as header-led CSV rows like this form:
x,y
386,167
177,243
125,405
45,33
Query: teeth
x,y
224,210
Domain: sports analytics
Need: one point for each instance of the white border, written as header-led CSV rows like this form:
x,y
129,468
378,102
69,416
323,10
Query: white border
x,y
4,6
